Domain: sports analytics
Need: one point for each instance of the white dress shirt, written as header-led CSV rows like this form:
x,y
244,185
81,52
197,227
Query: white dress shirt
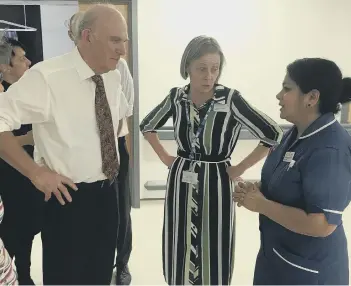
x,y
57,96
128,91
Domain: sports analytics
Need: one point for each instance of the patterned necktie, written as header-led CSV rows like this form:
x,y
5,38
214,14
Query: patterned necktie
x,y
110,165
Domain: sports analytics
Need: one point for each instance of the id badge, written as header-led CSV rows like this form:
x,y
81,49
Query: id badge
x,y
288,157
221,108
189,177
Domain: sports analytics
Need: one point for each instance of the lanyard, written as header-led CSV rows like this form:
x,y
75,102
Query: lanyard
x,y
199,129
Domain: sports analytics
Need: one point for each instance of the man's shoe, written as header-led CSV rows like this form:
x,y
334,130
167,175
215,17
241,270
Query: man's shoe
x,y
123,276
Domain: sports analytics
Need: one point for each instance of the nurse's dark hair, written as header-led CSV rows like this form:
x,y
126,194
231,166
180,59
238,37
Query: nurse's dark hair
x,y
326,77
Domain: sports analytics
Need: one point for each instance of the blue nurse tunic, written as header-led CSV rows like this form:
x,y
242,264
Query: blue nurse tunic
x,y
312,173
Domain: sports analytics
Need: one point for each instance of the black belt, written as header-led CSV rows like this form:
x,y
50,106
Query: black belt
x,y
203,157
95,184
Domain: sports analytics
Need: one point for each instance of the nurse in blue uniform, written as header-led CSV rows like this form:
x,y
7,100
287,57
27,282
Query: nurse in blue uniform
x,y
305,183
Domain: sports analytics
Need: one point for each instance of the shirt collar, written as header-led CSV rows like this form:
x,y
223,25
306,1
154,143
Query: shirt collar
x,y
83,69
217,97
319,124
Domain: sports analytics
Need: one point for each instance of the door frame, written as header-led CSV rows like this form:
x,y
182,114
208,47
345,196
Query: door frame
x,y
133,63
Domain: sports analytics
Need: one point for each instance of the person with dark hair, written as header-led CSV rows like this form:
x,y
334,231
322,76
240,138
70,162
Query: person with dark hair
x,y
305,183
8,275
18,65
199,216
23,203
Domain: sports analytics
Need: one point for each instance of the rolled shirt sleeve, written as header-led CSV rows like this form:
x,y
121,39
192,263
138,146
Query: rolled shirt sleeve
x,y
258,123
326,182
158,116
25,102
127,85
123,106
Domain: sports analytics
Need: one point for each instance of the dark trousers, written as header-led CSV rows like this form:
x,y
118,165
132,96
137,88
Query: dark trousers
x,y
23,206
79,238
124,237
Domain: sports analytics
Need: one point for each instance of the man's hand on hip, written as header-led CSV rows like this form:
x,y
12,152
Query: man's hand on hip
x,y
50,183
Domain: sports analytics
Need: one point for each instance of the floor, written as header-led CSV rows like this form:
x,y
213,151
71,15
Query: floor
x,y
146,263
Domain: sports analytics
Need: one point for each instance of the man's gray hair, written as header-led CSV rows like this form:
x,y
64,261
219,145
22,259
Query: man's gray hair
x,y
74,24
88,18
197,48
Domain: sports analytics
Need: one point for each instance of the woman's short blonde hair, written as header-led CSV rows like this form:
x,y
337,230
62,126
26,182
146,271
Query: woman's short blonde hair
x,y
197,48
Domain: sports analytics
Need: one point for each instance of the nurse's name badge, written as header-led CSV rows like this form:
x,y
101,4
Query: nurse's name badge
x,y
190,177
289,158
221,107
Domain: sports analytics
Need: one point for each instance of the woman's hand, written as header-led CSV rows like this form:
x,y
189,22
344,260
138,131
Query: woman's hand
x,y
235,172
168,160
249,195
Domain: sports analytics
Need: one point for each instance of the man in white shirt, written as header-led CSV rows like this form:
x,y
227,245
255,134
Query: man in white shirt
x,y
124,236
75,105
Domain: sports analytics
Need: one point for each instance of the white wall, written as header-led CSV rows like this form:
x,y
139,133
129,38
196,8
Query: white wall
x,y
54,32
259,39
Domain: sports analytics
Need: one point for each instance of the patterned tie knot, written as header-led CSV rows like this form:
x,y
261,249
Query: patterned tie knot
x,y
97,79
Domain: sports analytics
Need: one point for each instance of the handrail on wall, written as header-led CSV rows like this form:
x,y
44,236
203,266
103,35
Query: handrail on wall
x,y
166,132
161,185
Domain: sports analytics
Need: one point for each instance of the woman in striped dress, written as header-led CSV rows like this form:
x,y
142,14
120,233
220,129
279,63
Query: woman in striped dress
x,y
199,220
8,274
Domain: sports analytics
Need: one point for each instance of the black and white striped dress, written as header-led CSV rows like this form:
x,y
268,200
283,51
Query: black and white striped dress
x,y
199,220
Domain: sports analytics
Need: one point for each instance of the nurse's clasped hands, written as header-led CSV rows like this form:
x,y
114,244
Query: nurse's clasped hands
x,y
249,195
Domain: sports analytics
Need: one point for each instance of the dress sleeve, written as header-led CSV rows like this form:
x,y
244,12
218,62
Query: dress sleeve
x,y
258,123
158,116
326,179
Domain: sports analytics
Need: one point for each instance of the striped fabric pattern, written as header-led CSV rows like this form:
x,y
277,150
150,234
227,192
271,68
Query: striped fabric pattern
x,y
199,220
8,275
